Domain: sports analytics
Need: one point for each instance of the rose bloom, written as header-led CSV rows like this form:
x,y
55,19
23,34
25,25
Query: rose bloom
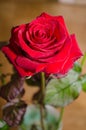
x,y
44,45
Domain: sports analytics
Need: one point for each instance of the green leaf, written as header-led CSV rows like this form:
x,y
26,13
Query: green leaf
x,y
61,92
83,81
77,67
32,118
3,125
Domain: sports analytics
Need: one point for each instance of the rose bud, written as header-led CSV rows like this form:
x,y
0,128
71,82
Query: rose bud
x,y
44,45
12,89
13,113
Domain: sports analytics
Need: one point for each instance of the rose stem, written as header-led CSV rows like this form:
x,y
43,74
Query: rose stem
x,y
42,99
83,59
60,117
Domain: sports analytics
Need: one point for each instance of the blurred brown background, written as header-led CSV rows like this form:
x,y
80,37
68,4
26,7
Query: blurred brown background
x,y
15,12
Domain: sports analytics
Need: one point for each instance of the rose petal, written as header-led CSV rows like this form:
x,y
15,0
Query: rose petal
x,y
12,57
62,66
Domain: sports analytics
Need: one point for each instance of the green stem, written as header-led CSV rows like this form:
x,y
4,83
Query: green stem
x,y
83,59
60,118
42,87
42,117
42,100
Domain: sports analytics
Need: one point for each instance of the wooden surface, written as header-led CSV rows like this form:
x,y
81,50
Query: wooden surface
x,y
15,12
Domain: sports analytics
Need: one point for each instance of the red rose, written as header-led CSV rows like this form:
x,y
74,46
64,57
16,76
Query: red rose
x,y
42,45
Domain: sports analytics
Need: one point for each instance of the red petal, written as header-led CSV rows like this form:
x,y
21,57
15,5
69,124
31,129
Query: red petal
x,y
12,57
71,54
29,65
